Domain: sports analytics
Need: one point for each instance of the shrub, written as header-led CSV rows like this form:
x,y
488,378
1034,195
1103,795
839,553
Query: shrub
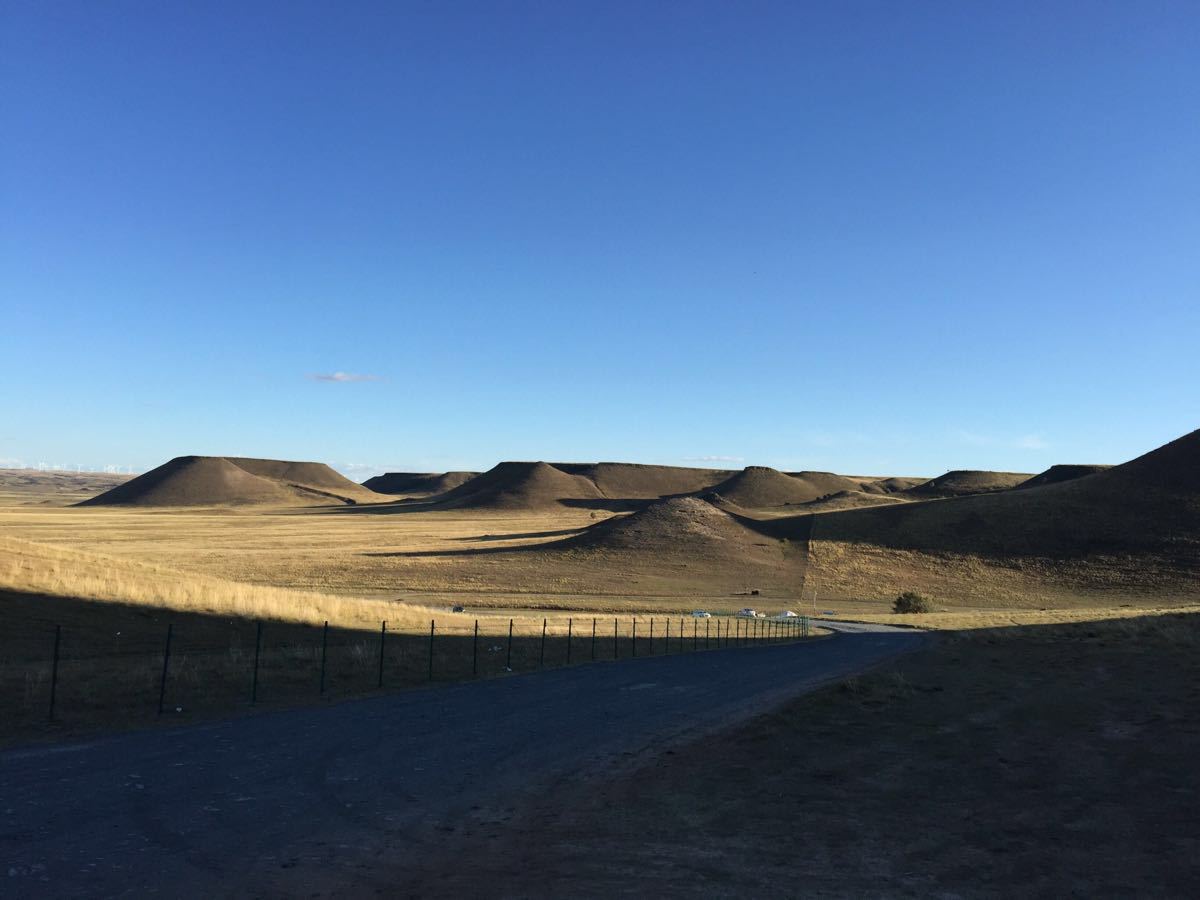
x,y
912,602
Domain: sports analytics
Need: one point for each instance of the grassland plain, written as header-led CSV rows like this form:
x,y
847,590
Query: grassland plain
x,y
1049,761
480,558
33,487
106,621
1106,544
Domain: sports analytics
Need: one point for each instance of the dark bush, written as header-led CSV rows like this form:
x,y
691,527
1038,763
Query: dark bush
x,y
912,602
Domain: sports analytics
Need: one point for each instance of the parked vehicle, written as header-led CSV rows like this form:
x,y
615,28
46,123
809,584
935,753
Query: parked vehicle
x,y
701,614
458,609
787,614
747,613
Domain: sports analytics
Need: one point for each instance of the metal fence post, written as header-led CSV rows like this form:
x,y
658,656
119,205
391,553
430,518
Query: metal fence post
x,y
667,641
257,649
508,656
570,629
54,669
475,652
542,651
324,650
382,639
431,629
162,684
634,640
593,640
616,646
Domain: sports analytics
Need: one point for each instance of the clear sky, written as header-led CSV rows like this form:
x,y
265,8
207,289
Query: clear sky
x,y
886,237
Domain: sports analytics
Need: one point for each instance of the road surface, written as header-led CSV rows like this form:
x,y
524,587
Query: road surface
x,y
325,796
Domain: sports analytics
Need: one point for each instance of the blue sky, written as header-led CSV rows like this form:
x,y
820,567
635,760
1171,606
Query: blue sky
x,y
887,238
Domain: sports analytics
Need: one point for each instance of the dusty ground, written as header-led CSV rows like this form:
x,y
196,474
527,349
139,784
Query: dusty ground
x,y
1044,761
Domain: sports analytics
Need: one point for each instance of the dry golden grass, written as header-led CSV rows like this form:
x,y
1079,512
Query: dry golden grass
x,y
860,572
112,617
981,619
33,568
428,558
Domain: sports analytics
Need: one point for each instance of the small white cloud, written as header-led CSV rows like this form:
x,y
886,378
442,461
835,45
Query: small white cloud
x,y
714,459
970,437
1031,442
343,377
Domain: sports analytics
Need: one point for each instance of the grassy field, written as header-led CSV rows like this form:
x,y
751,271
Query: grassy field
x,y
429,558
491,559
1048,761
114,578
110,619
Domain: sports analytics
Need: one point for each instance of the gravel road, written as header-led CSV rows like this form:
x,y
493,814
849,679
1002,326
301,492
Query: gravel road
x,y
326,796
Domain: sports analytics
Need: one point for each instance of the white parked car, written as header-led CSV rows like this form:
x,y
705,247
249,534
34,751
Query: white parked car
x,y
701,614
748,613
787,614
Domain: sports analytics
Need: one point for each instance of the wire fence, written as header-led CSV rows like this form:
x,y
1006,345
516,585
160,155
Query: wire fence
x,y
78,675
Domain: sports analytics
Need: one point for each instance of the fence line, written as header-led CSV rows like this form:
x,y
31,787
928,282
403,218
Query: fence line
x,y
202,670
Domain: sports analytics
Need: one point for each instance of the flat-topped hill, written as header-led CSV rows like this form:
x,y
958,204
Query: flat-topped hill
x,y
687,528
963,482
633,481
235,481
516,486
758,487
416,484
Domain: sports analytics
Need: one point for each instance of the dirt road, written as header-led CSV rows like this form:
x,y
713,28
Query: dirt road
x,y
329,797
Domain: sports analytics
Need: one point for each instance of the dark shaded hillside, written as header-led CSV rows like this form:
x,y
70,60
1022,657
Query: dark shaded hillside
x,y
417,483
633,481
963,482
1148,505
1056,474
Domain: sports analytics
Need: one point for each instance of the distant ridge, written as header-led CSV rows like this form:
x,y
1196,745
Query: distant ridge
x,y
890,485
626,486
417,483
1059,473
963,482
822,484
235,481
